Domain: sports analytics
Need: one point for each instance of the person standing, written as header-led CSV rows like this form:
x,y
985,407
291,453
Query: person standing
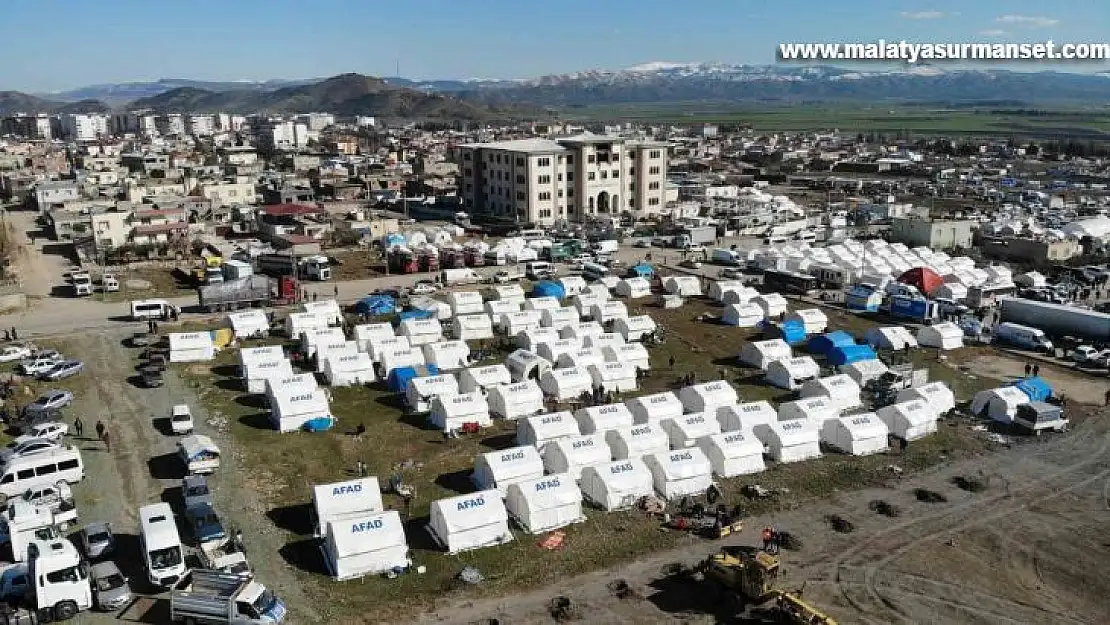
x,y
1028,369
336,291
1036,370
107,440
78,427
99,430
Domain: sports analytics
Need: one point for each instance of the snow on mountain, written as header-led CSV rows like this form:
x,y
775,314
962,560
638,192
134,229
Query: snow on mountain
x,y
656,66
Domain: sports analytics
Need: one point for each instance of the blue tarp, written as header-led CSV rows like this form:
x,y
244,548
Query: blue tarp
x,y
375,305
547,288
319,424
825,343
1036,388
847,354
415,314
399,378
793,331
394,238
641,270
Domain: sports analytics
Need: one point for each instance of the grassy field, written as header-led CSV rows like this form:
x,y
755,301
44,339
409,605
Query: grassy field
x,y
286,466
920,120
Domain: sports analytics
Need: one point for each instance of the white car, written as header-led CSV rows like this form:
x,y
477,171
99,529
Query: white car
x,y
38,365
49,431
181,419
1085,353
26,447
423,289
10,353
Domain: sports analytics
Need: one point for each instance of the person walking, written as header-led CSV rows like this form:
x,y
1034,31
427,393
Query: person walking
x,y
15,336
1108,397
78,427
671,361
107,440
336,291
361,468
1036,370
99,430
767,536
1028,369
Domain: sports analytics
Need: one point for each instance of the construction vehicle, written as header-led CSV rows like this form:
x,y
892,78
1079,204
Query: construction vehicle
x,y
751,576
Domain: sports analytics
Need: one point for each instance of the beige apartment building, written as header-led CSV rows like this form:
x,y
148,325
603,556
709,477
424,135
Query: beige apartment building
x,y
573,179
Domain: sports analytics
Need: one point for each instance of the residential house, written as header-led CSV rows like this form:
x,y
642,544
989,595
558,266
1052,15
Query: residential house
x,y
49,193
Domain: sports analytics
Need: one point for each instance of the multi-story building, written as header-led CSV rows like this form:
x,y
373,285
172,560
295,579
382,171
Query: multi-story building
x,y
84,127
569,180
202,125
937,234
27,126
316,121
172,125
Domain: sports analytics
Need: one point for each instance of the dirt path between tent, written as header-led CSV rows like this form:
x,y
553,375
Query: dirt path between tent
x,y
1027,548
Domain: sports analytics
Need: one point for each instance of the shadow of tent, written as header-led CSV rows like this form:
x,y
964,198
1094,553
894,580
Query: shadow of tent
x,y
499,441
166,467
456,481
257,420
416,532
296,518
304,555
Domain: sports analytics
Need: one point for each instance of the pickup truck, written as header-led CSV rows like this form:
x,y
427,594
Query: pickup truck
x,y
504,277
214,597
226,556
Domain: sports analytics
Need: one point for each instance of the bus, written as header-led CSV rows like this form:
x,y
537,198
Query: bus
x,y
790,282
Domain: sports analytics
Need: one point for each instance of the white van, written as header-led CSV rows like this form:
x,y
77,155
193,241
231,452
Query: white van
x,y
163,554
144,310
43,469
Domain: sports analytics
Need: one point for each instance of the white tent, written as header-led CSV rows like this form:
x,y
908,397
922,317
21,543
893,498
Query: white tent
x,y
707,396
513,323
614,376
890,337
345,501
634,328
508,292
680,473
772,304
633,354
1000,404
585,303
616,485
483,378
541,303
733,453
654,408
248,323
296,384
717,288
594,419
265,353
793,372
544,504
420,391
610,310
739,296
517,400
465,302
397,358
684,286
863,371
378,346
438,311
496,308
684,431
605,339
858,434
368,545
790,441
581,358
474,327
813,319
745,416
633,288
450,412
840,389
191,347
941,335
348,369
538,430
447,355
292,408
365,332
554,350
815,409
637,441
909,420
256,373
526,365
469,521
532,339
581,330
742,315
566,383
328,310
936,395
558,318
420,331
495,470
571,455
330,349
297,324
760,354
600,289
573,285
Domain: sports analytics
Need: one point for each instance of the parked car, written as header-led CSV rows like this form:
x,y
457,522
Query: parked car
x,y
38,364
26,447
504,276
423,288
194,490
732,273
110,588
11,353
109,283
51,400
181,419
642,243
47,430
97,540
1085,353
63,370
690,264
204,524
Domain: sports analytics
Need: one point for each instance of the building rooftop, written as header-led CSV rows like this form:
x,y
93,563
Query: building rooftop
x,y
533,146
54,185
589,137
289,210
148,229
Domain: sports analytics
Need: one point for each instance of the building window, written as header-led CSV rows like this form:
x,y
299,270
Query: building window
x,y
520,195
590,175
466,156
570,176
653,154
560,194
498,158
653,170
632,170
616,173
570,192
544,162
545,179
559,177
570,209
589,158
468,172
631,202
632,186
653,186
545,212
616,157
560,160
604,175
570,159
520,179
519,162
653,201
545,196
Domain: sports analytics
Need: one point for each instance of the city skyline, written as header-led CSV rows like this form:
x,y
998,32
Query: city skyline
x,y
131,41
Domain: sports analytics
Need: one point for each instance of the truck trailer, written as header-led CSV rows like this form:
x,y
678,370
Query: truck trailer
x,y
250,292
1057,319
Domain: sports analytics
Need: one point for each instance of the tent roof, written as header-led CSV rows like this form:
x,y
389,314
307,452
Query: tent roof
x,y
461,405
607,371
915,411
736,444
297,401
607,417
466,512
1035,387
348,497
583,450
798,366
623,475
864,426
368,331
547,492
488,375
512,463
793,431
553,425
366,534
190,340
639,437
434,384
681,464
693,425
267,353
518,391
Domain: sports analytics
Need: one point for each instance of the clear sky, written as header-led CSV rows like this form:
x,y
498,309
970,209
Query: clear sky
x,y
61,44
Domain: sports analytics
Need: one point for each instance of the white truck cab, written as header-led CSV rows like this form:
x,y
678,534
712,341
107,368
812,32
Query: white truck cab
x,y
82,283
181,419
23,523
60,580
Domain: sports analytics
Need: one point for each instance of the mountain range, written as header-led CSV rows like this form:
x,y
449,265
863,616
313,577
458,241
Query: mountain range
x,y
654,82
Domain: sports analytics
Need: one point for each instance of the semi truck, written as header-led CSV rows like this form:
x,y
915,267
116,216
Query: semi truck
x,y
58,585
1056,319
700,235
312,267
254,291
214,597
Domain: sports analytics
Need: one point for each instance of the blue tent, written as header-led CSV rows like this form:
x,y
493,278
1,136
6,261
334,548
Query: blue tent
x,y
415,314
847,354
375,305
641,270
825,343
398,379
394,238
547,288
793,331
1036,388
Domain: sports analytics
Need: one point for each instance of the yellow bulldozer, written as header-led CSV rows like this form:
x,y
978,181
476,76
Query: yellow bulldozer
x,y
751,576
